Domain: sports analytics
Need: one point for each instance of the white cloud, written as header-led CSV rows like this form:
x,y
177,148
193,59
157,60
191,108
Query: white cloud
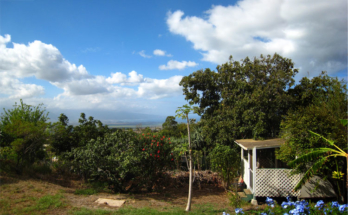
x,y
120,78
155,88
45,62
313,33
160,52
142,53
16,89
173,64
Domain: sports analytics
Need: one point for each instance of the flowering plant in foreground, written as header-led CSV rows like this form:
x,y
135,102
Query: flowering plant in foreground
x,y
299,208
157,156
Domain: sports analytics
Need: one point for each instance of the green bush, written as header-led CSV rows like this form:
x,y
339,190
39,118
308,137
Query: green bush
x,y
156,157
114,159
225,161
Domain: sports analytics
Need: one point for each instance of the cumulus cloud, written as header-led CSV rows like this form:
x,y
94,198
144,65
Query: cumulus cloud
x,y
45,62
17,89
312,33
120,78
155,88
142,53
173,64
160,52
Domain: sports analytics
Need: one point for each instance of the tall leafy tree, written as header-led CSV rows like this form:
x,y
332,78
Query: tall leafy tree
x,y
62,138
170,127
88,129
243,99
320,104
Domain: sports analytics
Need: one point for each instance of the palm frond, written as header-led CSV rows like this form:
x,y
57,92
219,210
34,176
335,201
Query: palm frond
x,y
313,155
310,172
330,142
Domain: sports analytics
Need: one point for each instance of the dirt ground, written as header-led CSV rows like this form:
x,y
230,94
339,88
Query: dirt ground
x,y
208,191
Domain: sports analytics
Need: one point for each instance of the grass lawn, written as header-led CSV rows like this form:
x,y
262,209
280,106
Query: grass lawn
x,y
20,195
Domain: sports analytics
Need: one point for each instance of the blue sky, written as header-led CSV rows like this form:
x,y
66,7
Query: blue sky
x,y
123,60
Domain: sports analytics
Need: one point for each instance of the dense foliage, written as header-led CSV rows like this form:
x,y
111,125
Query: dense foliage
x,y
113,159
156,157
242,99
224,160
23,135
321,103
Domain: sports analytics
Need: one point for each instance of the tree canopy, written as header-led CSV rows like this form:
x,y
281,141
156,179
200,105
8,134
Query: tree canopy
x,y
243,99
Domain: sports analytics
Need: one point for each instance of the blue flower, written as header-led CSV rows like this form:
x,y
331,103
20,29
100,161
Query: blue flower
x,y
263,213
239,210
300,208
341,208
294,211
327,210
319,204
335,204
288,198
285,205
270,202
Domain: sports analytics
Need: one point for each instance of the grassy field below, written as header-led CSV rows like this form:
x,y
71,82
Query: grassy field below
x,y
61,195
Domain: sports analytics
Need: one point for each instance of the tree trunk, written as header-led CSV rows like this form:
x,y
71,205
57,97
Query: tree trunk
x,y
188,207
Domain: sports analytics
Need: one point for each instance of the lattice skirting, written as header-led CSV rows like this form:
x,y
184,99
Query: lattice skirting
x,y
275,183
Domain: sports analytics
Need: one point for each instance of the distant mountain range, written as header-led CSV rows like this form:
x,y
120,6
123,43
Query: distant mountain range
x,y
113,118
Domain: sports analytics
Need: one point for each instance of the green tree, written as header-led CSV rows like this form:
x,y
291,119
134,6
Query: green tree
x,y
88,129
242,99
24,128
170,127
224,160
320,104
183,113
62,135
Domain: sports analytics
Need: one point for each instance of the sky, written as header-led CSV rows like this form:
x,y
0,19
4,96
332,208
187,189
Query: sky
x,y
122,61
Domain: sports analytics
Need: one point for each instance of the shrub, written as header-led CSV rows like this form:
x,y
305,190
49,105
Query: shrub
x,y
157,157
114,159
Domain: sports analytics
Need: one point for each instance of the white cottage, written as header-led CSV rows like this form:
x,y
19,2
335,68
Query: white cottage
x,y
266,176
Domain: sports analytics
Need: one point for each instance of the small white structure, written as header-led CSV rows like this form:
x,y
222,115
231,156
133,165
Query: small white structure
x,y
266,176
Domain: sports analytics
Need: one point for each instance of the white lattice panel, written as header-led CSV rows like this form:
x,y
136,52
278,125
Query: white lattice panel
x,y
275,183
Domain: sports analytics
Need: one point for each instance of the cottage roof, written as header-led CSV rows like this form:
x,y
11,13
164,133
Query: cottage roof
x,y
250,143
